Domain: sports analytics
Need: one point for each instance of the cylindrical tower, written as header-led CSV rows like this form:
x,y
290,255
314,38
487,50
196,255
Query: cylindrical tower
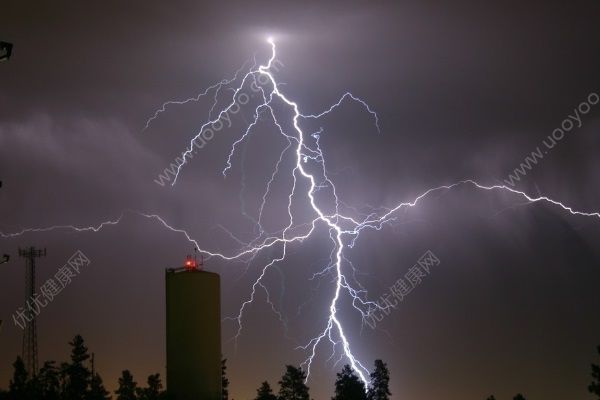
x,y
193,334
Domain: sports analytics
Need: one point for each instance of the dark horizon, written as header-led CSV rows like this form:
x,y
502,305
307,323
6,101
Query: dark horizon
x,y
462,92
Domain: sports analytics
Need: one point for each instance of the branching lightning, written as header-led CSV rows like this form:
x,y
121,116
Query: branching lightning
x,y
309,167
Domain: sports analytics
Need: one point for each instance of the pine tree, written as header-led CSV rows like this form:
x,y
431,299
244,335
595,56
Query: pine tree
x,y
519,397
348,386
76,374
97,390
292,386
265,392
380,382
48,381
127,387
19,384
34,387
594,387
154,389
224,380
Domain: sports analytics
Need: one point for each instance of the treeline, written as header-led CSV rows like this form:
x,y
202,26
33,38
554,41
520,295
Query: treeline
x,y
348,386
78,380
74,380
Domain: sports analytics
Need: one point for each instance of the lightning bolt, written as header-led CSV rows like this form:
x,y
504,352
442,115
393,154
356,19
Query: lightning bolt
x,y
309,167
216,88
334,220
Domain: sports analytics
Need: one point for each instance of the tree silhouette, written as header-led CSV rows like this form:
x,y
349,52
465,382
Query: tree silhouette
x,y
127,387
594,387
292,386
224,380
74,381
154,389
19,386
97,389
380,382
76,374
264,392
491,398
48,382
348,386
519,397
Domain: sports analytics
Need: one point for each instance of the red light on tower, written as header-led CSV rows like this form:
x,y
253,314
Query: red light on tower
x,y
190,264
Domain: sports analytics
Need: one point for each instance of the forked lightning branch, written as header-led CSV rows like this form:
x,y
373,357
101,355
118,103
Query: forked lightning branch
x,y
309,168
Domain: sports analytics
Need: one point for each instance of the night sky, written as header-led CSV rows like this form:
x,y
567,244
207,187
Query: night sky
x,y
464,90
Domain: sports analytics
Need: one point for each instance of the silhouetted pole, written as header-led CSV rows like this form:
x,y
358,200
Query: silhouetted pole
x,y
5,257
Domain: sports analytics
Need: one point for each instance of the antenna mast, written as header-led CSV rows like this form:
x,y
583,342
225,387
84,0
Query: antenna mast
x,y
30,347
